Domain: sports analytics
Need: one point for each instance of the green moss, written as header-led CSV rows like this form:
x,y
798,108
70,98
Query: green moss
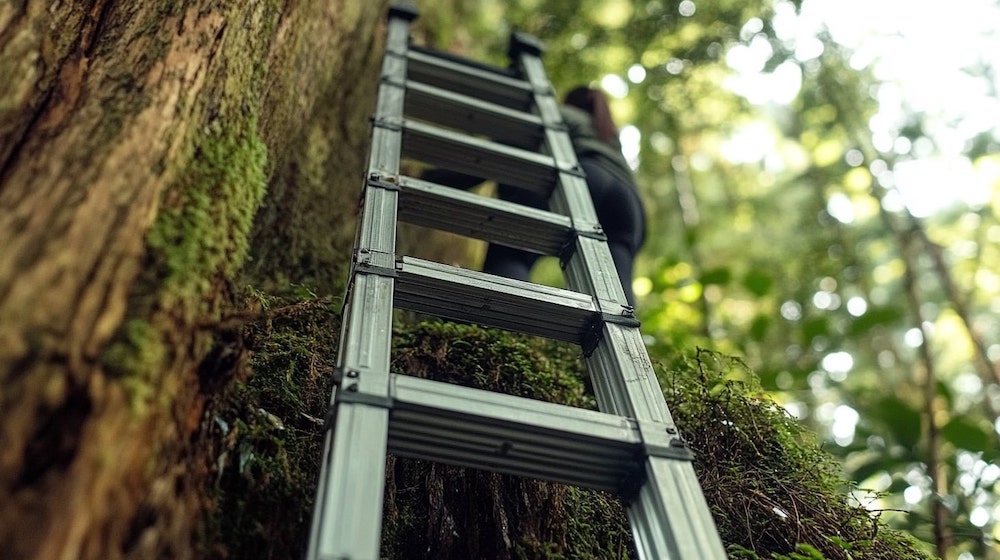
x,y
270,428
494,360
597,526
489,515
201,232
197,243
773,491
137,352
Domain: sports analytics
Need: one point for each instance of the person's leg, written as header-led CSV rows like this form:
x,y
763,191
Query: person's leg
x,y
624,257
507,261
620,212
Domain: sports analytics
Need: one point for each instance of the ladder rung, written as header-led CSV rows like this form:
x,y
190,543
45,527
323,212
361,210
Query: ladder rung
x,y
492,84
482,158
514,435
480,298
476,297
448,209
473,116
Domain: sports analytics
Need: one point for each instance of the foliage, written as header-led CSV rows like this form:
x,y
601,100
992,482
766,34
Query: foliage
x,y
777,232
773,491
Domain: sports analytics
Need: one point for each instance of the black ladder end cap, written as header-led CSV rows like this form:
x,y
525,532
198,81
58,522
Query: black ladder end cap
x,y
524,43
403,10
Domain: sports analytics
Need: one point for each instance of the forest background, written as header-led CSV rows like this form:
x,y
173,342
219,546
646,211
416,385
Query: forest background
x,y
821,178
822,183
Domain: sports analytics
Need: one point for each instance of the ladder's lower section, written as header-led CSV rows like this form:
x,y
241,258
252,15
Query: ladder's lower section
x,y
347,523
660,529
644,462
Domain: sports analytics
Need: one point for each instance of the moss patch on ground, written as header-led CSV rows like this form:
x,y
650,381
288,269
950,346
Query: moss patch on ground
x,y
269,431
437,511
774,492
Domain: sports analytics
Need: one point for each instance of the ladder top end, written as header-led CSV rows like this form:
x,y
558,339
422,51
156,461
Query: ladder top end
x,y
523,43
403,10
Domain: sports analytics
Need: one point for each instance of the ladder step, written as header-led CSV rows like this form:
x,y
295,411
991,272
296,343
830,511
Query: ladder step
x,y
504,164
474,116
476,297
481,81
448,209
449,423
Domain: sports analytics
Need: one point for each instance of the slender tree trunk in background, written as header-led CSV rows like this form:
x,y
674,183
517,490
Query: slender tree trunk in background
x,y
926,378
989,369
137,141
687,202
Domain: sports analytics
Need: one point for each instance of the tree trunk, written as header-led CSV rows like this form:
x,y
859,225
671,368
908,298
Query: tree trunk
x,y
137,142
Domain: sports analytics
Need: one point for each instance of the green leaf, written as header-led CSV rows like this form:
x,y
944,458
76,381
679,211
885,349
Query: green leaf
x,y
898,485
805,551
720,275
878,463
759,327
873,318
759,283
967,434
902,420
817,326
944,391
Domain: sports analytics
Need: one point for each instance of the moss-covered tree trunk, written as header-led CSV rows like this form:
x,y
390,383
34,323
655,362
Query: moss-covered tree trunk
x,y
138,141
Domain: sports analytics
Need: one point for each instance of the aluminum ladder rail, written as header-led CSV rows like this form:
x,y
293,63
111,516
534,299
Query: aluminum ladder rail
x,y
631,447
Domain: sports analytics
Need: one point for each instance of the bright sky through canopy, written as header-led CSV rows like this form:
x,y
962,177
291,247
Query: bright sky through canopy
x,y
929,57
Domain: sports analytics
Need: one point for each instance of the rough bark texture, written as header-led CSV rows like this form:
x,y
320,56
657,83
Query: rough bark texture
x,y
137,141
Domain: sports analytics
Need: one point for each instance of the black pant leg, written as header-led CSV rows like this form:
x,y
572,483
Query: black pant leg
x,y
621,214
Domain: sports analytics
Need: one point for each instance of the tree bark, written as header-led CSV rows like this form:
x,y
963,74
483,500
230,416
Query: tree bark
x,y
137,141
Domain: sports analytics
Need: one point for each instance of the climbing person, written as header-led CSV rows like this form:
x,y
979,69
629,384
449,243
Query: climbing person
x,y
587,115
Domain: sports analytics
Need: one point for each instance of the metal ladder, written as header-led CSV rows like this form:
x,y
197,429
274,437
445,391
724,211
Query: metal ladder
x,y
631,448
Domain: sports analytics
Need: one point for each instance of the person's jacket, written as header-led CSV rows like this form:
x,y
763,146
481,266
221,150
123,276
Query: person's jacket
x,y
587,144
